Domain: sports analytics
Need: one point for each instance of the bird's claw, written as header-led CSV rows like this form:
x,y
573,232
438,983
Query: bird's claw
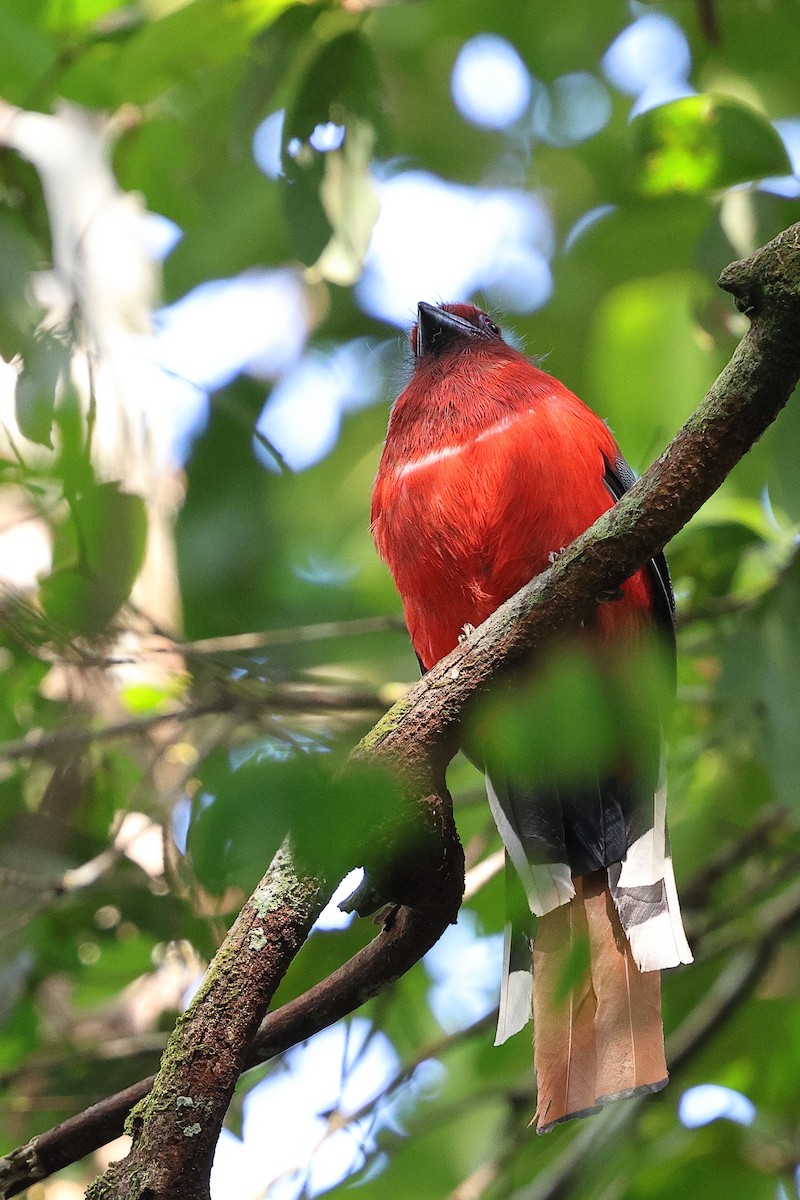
x,y
555,554
466,630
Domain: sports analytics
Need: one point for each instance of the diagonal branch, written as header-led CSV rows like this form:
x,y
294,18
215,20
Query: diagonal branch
x,y
744,400
401,943
418,736
175,1129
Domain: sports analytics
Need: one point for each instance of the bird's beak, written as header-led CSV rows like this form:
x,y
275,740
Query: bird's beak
x,y
436,328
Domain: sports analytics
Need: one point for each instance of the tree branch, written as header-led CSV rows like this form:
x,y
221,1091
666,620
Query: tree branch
x,y
175,1130
416,738
250,697
239,643
46,741
404,939
235,643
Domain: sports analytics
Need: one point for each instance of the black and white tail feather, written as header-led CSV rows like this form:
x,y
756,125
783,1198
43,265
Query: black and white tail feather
x,y
551,839
642,887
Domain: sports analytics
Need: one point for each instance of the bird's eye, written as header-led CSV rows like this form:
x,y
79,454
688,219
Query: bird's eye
x,y
491,328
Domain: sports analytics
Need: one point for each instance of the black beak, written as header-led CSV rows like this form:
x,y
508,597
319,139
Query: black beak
x,y
437,328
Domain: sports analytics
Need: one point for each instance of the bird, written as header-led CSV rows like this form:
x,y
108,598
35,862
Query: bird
x,y
490,468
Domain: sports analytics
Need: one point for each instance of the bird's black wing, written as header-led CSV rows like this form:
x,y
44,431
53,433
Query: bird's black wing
x,y
619,478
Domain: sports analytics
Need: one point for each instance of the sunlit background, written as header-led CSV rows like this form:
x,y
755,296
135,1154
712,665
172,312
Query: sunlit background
x,y
499,232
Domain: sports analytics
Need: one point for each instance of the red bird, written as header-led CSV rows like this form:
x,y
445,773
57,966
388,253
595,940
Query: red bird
x,y
491,467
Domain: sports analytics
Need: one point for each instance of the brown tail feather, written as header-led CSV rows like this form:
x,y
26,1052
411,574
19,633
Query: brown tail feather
x,y
604,1039
564,1049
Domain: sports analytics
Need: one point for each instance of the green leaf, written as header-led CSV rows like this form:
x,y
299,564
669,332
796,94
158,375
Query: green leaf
x,y
80,14
576,717
238,821
309,227
112,961
26,54
341,84
46,363
702,143
341,81
706,558
783,441
181,46
151,698
242,815
760,684
107,531
66,597
646,367
18,315
19,1033
351,205
273,57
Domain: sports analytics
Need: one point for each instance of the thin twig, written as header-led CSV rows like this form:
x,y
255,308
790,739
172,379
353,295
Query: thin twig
x,y
249,697
131,1047
280,461
45,741
338,1119
736,606
770,821
322,631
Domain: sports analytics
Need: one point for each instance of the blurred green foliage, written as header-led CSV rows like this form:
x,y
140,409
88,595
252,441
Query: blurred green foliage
x,y
700,143
634,325
577,715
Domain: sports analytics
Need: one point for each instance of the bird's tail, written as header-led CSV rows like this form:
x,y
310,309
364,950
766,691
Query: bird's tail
x,y
597,1018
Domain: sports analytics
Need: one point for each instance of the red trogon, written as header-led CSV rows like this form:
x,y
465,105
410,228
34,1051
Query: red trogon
x,y
491,467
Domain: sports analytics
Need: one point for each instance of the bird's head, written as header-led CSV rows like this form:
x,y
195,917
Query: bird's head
x,y
445,327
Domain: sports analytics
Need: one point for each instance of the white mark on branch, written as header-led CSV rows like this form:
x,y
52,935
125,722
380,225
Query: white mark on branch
x,y
258,939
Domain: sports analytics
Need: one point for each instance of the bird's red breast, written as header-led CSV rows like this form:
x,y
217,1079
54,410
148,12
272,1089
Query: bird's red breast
x,y
491,467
